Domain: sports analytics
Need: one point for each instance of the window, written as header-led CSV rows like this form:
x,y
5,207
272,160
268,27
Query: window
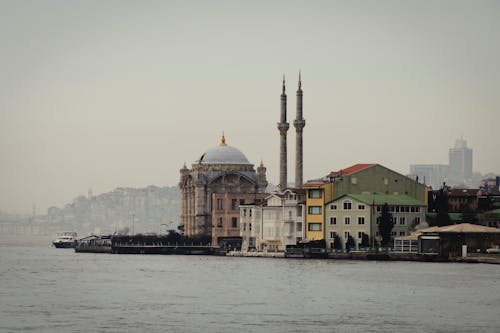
x,y
417,209
401,233
393,233
299,211
346,234
244,212
360,234
219,222
244,226
361,207
333,207
219,204
289,214
315,210
315,194
333,234
361,220
379,208
333,220
242,201
299,226
234,222
397,209
250,226
347,220
347,205
378,219
402,221
412,209
250,212
377,233
407,209
417,220
391,209
234,202
354,180
314,226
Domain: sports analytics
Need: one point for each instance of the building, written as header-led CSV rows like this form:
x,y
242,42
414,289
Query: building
x,y
448,241
356,179
433,175
219,182
355,215
273,224
460,161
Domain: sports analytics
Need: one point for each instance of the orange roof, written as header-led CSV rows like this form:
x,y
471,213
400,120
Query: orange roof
x,y
352,169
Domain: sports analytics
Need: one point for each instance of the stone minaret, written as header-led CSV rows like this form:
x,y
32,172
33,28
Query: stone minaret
x,y
283,128
299,124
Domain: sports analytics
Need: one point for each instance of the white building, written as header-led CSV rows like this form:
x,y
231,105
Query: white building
x,y
278,222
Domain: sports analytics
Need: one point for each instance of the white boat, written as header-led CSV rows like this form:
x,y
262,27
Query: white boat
x,y
65,240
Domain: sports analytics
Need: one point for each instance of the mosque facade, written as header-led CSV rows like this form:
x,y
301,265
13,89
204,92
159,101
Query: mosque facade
x,y
222,179
219,182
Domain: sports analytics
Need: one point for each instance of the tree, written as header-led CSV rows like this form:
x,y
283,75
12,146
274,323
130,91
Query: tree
x,y
350,243
365,240
469,215
337,244
442,216
385,225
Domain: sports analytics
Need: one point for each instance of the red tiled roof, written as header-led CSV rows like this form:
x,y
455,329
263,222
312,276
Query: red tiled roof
x,y
352,169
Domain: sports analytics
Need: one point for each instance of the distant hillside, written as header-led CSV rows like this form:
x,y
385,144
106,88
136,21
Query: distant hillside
x,y
150,209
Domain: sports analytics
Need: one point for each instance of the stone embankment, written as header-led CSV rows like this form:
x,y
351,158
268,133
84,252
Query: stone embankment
x,y
256,254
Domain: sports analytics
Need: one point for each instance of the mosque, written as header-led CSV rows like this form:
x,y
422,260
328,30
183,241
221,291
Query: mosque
x,y
222,179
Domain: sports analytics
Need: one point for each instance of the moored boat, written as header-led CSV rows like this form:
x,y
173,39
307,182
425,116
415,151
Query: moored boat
x,y
65,240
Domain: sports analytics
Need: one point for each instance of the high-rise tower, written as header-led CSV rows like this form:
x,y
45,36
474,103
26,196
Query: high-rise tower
x,y
283,128
299,124
460,160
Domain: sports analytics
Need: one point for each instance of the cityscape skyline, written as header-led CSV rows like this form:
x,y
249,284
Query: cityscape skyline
x,y
123,93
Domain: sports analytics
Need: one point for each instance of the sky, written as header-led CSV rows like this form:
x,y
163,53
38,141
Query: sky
x,y
105,94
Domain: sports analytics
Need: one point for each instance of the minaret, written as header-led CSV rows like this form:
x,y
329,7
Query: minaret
x,y
299,124
283,128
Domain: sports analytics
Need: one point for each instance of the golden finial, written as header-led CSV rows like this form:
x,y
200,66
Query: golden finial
x,y
223,140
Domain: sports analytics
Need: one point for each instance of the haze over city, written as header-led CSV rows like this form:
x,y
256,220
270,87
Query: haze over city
x,y
121,93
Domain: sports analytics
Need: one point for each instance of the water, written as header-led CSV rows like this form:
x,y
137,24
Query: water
x,y
43,289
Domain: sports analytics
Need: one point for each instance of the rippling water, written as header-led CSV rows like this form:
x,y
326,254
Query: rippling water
x,y
44,289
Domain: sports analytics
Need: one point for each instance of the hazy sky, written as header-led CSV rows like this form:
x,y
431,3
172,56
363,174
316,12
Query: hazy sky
x,y
101,94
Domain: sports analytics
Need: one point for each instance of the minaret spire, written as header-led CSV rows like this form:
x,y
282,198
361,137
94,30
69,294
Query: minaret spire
x,y
283,128
299,123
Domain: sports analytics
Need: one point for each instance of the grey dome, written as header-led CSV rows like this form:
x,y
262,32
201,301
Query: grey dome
x,y
223,155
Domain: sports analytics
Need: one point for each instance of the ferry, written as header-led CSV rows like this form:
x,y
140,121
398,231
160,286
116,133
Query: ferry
x,y
65,240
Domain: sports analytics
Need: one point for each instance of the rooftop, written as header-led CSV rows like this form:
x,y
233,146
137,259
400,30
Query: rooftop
x,y
461,228
350,170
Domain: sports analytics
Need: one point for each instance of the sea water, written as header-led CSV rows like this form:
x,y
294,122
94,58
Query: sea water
x,y
44,289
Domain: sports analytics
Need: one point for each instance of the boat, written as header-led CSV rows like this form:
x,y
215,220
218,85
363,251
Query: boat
x,y
65,240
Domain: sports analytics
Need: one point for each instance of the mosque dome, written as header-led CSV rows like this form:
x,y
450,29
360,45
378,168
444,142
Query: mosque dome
x,y
223,154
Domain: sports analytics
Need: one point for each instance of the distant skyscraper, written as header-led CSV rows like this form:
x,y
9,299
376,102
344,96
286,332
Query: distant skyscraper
x,y
430,174
460,161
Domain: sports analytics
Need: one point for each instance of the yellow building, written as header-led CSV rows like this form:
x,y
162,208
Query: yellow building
x,y
317,194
